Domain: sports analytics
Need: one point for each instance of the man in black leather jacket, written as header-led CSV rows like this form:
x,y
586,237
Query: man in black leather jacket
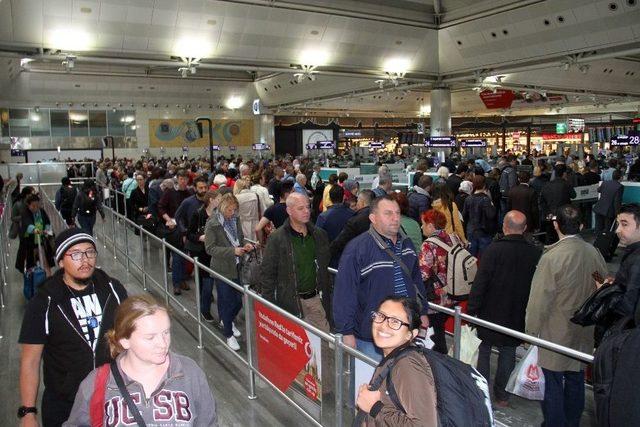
x,y
628,274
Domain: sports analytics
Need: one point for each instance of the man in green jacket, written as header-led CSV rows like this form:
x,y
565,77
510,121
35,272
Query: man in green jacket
x,y
294,267
563,280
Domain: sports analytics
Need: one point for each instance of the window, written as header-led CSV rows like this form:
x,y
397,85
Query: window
x,y
40,122
98,123
79,123
59,123
19,122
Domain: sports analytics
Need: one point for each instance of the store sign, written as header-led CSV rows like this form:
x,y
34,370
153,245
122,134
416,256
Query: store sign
x,y
287,354
562,137
215,148
376,144
561,128
624,140
500,99
575,125
260,146
465,143
440,141
636,120
351,133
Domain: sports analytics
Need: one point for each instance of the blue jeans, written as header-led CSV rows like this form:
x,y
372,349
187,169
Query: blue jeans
x,y
506,364
86,223
229,305
206,296
177,270
369,348
478,244
563,398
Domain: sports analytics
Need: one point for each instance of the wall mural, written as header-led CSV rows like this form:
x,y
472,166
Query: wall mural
x,y
176,133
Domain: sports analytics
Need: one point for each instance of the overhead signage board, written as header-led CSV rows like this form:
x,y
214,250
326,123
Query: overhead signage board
x,y
624,140
501,98
321,145
376,144
255,107
467,143
350,133
260,146
215,148
420,128
440,141
575,125
561,128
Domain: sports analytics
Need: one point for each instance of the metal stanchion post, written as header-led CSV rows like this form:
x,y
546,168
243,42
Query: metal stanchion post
x,y
248,329
113,236
115,195
104,236
338,356
142,260
165,273
457,329
126,244
196,277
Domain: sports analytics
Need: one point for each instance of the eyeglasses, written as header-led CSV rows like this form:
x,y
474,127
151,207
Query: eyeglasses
x,y
77,256
392,322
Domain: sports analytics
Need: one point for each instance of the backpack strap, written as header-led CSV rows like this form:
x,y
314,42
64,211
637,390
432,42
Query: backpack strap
x,y
96,404
439,242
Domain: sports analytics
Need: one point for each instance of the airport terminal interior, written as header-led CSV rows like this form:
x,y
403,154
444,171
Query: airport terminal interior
x,y
112,99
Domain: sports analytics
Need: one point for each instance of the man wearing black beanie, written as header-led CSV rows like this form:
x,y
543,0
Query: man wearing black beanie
x,y
63,326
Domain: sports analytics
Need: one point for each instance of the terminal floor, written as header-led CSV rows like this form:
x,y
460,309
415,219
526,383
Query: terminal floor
x,y
227,376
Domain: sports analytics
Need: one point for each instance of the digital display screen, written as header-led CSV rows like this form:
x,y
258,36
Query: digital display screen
x,y
215,148
440,141
473,143
260,146
376,144
623,140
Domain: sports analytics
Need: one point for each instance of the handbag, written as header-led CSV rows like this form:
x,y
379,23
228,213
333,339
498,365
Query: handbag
x,y
133,409
250,271
598,305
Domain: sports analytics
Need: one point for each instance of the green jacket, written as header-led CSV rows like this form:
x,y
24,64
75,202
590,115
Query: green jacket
x,y
216,243
277,271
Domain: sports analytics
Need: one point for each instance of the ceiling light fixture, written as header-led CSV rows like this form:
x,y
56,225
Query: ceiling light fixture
x,y
308,72
234,102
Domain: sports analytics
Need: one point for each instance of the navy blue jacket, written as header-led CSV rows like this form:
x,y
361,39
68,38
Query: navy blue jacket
x,y
333,221
365,278
187,208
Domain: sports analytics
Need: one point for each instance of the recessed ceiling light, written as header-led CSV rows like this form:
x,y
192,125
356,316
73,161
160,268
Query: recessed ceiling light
x,y
398,42
76,85
314,32
211,22
85,10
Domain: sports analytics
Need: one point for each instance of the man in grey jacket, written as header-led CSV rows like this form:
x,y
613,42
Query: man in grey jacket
x,y
294,267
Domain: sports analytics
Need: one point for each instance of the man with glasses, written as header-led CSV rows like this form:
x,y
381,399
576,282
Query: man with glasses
x,y
64,326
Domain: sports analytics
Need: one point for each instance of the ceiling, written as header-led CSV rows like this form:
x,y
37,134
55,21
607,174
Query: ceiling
x,y
324,57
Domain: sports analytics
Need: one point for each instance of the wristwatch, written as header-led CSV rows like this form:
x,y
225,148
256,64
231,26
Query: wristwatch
x,y
24,410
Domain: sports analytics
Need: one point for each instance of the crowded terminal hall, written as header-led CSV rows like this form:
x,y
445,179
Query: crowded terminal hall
x,y
320,213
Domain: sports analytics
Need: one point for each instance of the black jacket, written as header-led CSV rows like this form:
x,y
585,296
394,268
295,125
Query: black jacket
x,y
279,282
479,216
453,182
139,200
49,319
500,291
610,199
555,194
357,224
523,198
628,275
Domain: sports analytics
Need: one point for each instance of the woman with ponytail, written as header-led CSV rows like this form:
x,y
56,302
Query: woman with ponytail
x,y
146,383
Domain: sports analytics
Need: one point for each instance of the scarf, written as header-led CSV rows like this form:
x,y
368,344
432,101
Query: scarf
x,y
230,229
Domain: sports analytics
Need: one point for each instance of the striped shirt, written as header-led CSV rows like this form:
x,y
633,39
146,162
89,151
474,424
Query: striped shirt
x,y
399,283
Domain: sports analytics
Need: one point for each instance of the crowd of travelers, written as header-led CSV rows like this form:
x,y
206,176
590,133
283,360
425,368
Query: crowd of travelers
x,y
279,226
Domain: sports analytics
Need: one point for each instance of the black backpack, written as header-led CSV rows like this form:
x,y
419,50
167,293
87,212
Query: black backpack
x,y
608,368
68,196
88,203
462,393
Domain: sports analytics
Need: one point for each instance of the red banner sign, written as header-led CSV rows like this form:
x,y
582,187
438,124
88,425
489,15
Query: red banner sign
x,y
286,353
500,99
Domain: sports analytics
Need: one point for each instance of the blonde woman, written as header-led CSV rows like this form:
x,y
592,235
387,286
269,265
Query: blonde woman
x,y
147,384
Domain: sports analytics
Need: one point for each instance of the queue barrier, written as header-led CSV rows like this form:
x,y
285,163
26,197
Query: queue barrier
x,y
334,341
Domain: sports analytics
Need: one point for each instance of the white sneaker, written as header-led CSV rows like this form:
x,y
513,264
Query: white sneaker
x,y
233,343
236,331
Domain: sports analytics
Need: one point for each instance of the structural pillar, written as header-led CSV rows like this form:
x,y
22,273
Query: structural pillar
x,y
529,139
440,119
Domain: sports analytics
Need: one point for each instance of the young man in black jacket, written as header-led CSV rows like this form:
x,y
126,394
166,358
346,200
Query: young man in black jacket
x,y
64,327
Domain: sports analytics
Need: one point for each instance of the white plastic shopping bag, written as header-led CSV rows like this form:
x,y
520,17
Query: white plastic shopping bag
x,y
527,379
426,341
469,346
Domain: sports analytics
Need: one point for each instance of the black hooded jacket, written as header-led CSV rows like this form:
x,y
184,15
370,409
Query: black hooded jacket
x,y
52,318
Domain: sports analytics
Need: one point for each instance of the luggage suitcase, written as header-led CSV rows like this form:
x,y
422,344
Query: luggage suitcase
x,y
33,278
607,242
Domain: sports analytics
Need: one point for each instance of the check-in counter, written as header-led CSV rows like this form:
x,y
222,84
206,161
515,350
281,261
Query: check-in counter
x,y
631,192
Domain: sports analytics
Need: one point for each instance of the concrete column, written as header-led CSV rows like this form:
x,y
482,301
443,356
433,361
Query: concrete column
x,y
440,120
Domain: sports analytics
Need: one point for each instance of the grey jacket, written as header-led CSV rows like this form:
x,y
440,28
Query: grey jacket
x,y
216,243
278,272
182,399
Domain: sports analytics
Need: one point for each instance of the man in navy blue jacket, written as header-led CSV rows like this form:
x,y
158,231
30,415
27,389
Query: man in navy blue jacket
x,y
335,217
368,273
